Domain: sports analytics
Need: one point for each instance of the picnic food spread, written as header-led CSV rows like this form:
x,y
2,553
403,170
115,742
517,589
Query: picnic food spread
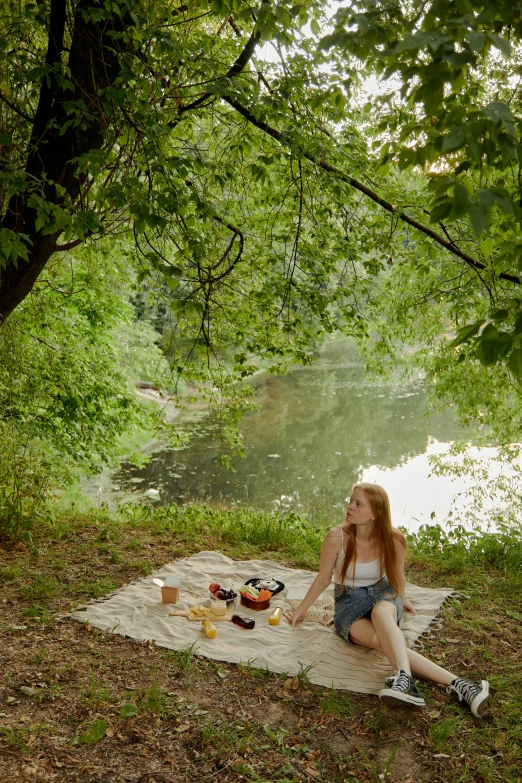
x,y
255,593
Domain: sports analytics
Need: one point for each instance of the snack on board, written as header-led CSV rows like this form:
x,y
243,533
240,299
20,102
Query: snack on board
x,y
200,611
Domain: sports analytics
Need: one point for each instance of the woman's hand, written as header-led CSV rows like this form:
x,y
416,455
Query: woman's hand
x,y
408,607
295,617
329,551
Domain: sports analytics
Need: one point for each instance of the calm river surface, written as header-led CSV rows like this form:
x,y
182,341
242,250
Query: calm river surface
x,y
319,430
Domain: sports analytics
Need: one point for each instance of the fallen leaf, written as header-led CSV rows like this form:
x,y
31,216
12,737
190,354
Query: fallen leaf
x,y
29,691
96,731
222,673
182,728
128,710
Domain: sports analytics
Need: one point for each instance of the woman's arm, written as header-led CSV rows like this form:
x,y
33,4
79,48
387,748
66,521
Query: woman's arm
x,y
329,551
400,553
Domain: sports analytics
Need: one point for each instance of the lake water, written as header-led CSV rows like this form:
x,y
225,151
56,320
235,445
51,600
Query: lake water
x,y
319,430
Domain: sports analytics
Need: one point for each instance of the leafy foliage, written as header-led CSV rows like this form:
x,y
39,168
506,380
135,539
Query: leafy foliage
x,y
69,358
275,199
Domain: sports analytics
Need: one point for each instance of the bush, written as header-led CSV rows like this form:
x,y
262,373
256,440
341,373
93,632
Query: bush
x,y
26,480
456,548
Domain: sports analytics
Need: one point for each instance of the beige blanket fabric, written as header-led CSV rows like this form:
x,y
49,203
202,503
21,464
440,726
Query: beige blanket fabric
x,y
136,611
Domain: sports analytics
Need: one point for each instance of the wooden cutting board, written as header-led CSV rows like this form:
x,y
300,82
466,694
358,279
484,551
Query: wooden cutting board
x,y
213,618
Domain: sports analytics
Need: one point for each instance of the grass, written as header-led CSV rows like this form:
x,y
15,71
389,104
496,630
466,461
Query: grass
x,y
182,662
153,699
337,703
97,694
217,720
440,733
38,587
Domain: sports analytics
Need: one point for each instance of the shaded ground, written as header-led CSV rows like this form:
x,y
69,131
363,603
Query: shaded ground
x,y
199,720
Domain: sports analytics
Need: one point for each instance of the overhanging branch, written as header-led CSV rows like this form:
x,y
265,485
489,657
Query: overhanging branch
x,y
475,263
242,60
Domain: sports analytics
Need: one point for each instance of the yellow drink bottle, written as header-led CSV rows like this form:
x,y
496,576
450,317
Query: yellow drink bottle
x,y
275,617
210,630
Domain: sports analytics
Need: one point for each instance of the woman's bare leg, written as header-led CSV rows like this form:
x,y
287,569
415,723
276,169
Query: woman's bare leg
x,y
393,643
363,632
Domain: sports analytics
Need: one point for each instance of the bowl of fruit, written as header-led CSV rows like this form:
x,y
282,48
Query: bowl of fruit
x,y
223,594
254,598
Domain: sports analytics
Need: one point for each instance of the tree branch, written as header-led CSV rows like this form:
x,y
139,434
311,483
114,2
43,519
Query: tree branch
x,y
449,245
234,70
18,111
68,246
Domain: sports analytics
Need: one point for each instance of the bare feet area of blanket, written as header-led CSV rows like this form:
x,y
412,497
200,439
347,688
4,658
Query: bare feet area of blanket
x,y
82,704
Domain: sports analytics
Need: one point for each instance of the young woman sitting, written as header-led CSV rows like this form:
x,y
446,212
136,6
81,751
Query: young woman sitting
x,y
366,557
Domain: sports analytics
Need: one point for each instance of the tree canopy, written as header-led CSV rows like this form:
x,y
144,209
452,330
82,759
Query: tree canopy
x,y
281,170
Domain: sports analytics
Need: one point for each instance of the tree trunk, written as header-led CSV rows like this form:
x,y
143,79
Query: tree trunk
x,y
94,65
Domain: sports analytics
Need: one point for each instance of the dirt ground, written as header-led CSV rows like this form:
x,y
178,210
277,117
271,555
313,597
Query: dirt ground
x,y
80,705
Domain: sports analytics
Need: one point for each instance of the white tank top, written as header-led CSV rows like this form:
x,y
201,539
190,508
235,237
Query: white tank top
x,y
358,574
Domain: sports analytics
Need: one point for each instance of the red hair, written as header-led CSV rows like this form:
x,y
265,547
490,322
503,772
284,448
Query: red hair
x,y
379,503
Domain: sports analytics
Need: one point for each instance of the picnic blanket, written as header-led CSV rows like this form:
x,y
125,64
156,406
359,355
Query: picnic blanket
x,y
136,611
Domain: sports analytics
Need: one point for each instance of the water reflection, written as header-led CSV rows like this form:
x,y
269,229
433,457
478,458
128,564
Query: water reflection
x,y
319,430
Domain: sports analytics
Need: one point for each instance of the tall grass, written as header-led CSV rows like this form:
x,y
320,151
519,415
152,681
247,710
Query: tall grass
x,y
247,532
459,548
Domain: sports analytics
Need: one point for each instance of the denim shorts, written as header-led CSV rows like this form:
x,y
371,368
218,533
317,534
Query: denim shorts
x,y
357,602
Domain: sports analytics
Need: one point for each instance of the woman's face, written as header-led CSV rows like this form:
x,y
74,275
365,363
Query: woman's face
x,y
359,511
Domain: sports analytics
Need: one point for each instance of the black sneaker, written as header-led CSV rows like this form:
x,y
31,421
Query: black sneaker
x,y
401,689
474,694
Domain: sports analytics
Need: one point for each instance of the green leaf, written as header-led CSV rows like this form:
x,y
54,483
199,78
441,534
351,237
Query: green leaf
x,y
515,365
96,732
454,139
500,314
501,44
494,345
460,201
476,41
431,94
518,324
479,220
128,710
464,334
441,210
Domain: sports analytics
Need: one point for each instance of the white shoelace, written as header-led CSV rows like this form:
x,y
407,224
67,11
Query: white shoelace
x,y
464,689
400,681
